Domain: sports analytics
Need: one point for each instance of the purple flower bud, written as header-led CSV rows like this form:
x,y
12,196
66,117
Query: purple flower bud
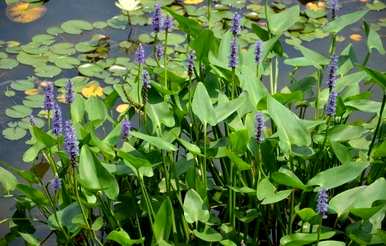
x,y
258,50
125,128
49,96
233,59
56,183
156,18
190,63
57,121
168,24
259,127
334,8
332,69
71,144
331,104
159,51
140,54
69,96
146,79
236,27
322,203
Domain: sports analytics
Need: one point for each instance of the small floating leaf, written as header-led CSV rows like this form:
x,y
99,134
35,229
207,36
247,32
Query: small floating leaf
x,y
356,37
121,108
31,92
76,26
47,71
18,111
193,1
8,63
92,90
14,133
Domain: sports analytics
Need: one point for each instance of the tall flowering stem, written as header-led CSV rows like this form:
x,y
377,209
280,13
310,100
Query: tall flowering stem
x,y
57,121
233,61
331,72
49,100
168,26
322,208
71,144
69,92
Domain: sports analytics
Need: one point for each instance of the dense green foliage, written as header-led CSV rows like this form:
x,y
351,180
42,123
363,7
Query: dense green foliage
x,y
192,170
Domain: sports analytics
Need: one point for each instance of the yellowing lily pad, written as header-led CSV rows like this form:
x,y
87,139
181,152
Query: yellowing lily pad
x,y
31,92
92,90
193,1
25,12
316,6
121,108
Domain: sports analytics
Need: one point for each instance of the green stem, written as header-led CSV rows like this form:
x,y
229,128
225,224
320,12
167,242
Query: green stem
x,y
209,12
233,89
166,61
380,119
205,156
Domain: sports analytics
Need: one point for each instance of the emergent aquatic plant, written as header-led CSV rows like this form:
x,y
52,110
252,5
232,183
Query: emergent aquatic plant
x,y
201,152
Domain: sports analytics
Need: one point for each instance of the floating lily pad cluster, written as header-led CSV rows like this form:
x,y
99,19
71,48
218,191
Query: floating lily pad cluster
x,y
186,132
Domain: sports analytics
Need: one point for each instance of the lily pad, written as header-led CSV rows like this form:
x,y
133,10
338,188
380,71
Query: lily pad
x,y
18,111
63,48
23,12
118,22
14,133
76,26
47,71
22,85
91,70
8,63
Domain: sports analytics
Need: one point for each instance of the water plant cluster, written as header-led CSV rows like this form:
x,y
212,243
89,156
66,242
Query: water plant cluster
x,y
197,138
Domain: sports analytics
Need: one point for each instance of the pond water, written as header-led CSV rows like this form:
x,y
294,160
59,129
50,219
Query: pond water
x,y
59,11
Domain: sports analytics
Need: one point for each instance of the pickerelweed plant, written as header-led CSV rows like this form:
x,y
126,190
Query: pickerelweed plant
x,y
211,155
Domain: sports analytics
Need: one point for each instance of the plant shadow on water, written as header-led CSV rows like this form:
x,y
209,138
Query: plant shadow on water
x,y
106,42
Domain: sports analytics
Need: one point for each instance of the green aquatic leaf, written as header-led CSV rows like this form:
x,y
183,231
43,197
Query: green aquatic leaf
x,y
76,26
163,221
291,129
29,239
99,24
96,110
85,47
342,21
18,111
8,180
93,176
34,194
91,70
69,217
267,193
282,21
63,48
194,209
122,237
155,141
378,77
209,235
14,133
288,178
202,105
342,174
22,85
47,71
374,41
118,22
8,63
160,114
299,239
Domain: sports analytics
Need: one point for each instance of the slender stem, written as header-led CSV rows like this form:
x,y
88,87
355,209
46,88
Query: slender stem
x,y
291,212
166,61
209,11
318,83
380,119
205,156
233,89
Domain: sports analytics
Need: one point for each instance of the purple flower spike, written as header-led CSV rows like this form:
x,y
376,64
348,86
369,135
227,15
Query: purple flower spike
x,y
322,204
332,69
156,18
236,27
168,24
190,63
159,51
32,120
334,8
49,97
125,128
259,127
233,59
140,54
57,121
71,144
258,50
56,183
331,104
146,79
69,96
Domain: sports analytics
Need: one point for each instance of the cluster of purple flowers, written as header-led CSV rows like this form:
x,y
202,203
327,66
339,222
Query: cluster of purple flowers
x,y
49,97
259,127
190,63
56,183
69,95
331,104
71,144
160,22
236,26
258,51
125,128
157,18
140,55
331,70
334,8
322,203
233,59
146,79
159,51
57,121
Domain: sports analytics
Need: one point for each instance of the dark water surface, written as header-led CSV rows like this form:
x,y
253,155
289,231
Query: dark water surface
x,y
59,11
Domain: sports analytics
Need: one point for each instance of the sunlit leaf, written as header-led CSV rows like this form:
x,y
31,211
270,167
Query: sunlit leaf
x,y
25,12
